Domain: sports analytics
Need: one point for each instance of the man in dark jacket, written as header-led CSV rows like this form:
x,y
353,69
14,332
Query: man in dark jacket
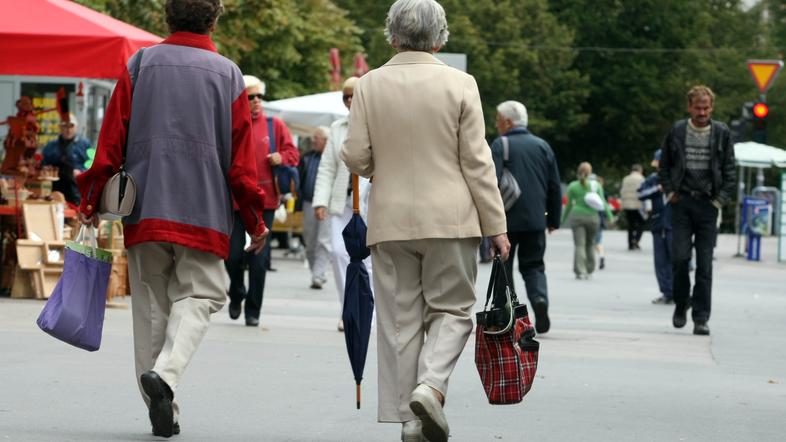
x,y
531,161
660,225
698,178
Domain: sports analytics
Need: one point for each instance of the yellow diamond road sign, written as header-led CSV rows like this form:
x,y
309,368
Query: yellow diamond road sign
x,y
764,72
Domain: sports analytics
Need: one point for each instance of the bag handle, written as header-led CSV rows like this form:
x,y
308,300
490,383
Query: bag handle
x,y
271,135
87,234
510,295
505,150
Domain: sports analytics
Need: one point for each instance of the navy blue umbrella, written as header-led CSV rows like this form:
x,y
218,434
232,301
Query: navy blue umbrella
x,y
358,299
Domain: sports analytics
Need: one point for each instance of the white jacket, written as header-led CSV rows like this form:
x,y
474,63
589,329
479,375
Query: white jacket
x,y
333,177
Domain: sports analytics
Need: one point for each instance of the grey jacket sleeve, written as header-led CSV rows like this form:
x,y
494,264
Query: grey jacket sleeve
x,y
728,171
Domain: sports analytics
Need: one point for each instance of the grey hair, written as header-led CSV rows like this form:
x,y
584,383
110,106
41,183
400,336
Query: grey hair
x,y
417,25
514,111
323,130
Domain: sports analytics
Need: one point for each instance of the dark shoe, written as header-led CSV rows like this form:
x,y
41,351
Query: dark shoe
x,y
161,414
316,285
662,300
177,428
234,310
252,322
542,322
602,263
701,328
680,317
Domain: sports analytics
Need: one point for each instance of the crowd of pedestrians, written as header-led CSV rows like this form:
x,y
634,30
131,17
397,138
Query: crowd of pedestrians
x,y
428,198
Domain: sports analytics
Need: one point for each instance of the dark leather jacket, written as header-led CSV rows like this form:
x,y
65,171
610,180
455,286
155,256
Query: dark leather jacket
x,y
672,163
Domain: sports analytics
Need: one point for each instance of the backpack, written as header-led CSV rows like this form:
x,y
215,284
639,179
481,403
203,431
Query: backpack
x,y
508,185
593,199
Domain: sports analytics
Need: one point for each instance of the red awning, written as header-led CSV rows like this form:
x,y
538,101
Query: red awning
x,y
60,38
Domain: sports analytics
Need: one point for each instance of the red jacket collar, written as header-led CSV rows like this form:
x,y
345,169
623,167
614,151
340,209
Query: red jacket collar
x,y
201,41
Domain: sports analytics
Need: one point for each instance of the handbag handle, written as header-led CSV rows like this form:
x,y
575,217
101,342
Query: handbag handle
x,y
87,234
510,296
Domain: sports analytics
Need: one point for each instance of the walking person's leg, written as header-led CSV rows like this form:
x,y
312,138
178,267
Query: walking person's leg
x,y
640,223
592,226
631,221
663,264
322,252
682,233
310,232
448,281
533,270
150,266
235,267
579,247
705,215
340,256
399,307
257,273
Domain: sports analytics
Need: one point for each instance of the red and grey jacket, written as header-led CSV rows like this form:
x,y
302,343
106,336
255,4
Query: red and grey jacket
x,y
189,147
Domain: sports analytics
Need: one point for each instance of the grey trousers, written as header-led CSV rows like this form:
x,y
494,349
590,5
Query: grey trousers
x,y
174,290
424,293
584,227
316,236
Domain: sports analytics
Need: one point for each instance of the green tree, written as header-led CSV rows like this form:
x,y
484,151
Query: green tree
x,y
501,39
284,42
643,56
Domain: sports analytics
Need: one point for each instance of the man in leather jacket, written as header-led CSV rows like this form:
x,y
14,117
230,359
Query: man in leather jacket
x,y
698,178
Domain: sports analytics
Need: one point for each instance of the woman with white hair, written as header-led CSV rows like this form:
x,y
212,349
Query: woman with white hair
x,y
416,126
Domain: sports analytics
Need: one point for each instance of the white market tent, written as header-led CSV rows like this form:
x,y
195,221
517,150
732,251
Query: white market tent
x,y
751,154
304,114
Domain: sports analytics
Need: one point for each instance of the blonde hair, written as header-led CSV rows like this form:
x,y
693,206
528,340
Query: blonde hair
x,y
700,91
583,172
350,83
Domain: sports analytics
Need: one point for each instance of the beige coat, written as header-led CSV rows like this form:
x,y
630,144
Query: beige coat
x,y
416,125
629,189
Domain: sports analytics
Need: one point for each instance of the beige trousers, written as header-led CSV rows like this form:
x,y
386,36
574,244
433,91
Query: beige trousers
x,y
425,292
174,289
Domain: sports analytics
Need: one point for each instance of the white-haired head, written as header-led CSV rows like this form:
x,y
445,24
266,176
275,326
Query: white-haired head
x,y
416,25
515,112
252,81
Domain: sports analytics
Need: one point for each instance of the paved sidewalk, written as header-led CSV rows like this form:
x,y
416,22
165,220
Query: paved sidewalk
x,y
611,369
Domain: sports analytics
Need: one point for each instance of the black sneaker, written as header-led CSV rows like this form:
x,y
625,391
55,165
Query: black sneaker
x,y
680,317
542,322
602,263
701,328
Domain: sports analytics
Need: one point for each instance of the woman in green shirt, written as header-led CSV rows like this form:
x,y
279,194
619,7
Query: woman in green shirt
x,y
585,200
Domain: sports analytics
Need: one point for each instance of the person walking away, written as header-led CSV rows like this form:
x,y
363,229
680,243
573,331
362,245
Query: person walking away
x,y
585,200
316,233
178,232
68,153
660,225
537,210
416,125
262,129
333,197
632,206
698,178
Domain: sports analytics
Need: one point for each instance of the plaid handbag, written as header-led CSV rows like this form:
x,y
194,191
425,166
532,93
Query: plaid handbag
x,y
506,354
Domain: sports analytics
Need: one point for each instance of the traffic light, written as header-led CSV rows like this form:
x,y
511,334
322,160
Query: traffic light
x,y
760,112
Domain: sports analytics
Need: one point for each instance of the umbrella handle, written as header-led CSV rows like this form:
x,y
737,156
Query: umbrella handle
x,y
358,395
356,199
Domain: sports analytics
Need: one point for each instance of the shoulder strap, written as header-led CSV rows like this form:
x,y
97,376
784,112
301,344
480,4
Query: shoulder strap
x,y
271,134
133,85
505,149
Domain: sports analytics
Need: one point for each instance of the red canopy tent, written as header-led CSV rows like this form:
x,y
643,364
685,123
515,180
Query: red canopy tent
x,y
59,38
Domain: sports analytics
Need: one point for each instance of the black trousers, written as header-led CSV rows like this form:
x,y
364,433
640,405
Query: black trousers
x,y
635,227
693,225
257,267
531,247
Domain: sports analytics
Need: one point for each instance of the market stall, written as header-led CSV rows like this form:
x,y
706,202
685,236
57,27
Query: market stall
x,y
56,54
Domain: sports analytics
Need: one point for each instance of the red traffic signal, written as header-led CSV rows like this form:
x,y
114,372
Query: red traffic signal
x,y
761,110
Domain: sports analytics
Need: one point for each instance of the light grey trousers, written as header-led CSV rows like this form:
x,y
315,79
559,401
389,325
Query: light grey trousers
x,y
316,236
174,290
424,294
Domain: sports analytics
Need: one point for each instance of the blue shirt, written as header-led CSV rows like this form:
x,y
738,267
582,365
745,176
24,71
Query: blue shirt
x,y
67,156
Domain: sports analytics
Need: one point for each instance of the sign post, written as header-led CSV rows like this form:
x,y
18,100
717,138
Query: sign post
x,y
782,233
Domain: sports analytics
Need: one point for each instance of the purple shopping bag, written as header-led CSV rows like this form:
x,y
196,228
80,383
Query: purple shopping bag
x,y
74,312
